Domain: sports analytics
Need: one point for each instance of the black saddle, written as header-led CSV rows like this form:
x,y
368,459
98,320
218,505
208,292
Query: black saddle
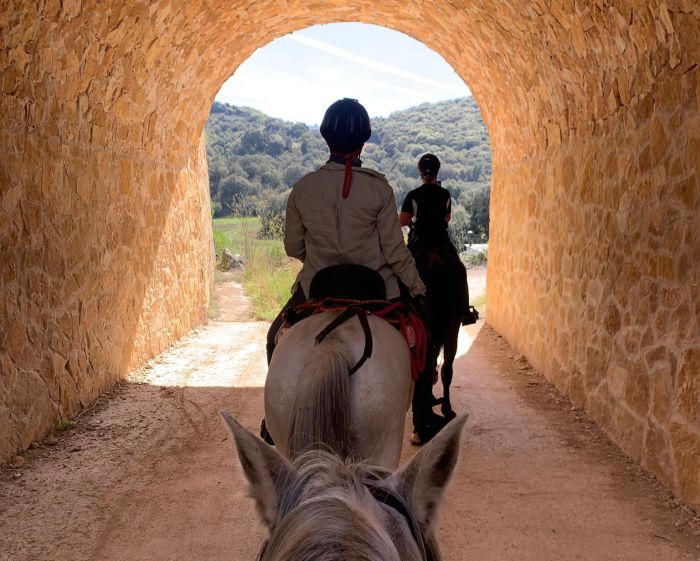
x,y
355,282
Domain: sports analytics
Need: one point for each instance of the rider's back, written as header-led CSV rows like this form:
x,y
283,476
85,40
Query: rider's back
x,y
325,229
430,205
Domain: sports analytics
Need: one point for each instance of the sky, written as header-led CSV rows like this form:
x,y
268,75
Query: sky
x,y
296,77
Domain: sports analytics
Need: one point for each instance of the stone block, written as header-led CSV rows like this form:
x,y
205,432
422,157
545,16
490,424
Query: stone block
x,y
657,452
637,390
686,454
688,385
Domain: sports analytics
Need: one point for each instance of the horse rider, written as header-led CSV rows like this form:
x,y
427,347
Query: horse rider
x,y
344,213
427,210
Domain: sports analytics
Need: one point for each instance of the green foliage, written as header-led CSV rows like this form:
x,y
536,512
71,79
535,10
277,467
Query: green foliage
x,y
66,424
475,258
268,280
269,273
256,159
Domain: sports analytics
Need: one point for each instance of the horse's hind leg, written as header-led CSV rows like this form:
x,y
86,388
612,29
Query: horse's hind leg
x,y
449,352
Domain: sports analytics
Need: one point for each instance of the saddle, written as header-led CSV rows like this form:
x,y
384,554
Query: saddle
x,y
358,291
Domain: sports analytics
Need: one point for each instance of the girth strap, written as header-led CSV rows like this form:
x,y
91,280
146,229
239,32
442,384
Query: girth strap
x,y
340,319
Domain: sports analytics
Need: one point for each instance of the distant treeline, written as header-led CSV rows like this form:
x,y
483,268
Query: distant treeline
x,y
255,159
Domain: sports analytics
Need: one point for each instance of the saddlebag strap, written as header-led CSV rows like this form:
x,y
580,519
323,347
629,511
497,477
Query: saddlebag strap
x,y
339,320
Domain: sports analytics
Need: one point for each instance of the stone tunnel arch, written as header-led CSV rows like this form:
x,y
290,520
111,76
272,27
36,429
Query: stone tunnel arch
x,y
592,109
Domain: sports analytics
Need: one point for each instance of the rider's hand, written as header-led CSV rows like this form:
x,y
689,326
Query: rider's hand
x,y
422,304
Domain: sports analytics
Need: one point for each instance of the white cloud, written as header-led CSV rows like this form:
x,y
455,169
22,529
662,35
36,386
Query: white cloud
x,y
296,77
373,64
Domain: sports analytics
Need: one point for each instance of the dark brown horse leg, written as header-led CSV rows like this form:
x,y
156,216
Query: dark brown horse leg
x,y
449,352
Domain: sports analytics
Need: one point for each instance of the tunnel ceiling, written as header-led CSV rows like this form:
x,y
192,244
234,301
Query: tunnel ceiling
x,y
538,70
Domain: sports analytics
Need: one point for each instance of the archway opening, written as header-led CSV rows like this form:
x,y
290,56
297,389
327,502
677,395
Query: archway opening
x,y
256,152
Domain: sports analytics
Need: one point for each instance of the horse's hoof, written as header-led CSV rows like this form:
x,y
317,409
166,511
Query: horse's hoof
x,y
449,414
428,430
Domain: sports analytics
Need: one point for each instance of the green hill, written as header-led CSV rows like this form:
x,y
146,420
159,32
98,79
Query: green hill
x,y
254,159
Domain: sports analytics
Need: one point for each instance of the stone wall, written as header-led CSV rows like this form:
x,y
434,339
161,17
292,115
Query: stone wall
x,y
105,235
594,266
592,109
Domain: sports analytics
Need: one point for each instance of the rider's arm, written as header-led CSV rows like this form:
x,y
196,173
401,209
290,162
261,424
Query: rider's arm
x,y
294,231
395,252
407,210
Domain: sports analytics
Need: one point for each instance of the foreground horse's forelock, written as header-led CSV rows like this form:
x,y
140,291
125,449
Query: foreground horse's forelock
x,y
321,508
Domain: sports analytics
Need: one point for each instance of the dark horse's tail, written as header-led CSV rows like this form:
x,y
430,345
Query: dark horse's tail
x,y
446,280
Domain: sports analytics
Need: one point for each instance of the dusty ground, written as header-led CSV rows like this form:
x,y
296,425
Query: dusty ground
x,y
149,472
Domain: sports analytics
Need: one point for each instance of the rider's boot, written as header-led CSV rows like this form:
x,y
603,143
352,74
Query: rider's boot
x,y
426,423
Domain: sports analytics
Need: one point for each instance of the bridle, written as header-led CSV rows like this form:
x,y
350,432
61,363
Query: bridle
x,y
394,501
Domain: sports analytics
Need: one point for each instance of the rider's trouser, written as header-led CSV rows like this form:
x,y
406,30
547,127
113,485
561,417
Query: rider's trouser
x,y
297,298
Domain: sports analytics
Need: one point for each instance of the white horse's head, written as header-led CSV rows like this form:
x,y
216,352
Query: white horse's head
x,y
321,508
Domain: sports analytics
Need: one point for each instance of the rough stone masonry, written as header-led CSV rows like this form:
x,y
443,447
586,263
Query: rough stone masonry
x,y
592,109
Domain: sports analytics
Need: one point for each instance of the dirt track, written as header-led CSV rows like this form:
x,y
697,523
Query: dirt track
x,y
150,474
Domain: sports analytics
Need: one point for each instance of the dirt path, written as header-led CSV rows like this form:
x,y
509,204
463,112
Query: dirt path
x,y
150,474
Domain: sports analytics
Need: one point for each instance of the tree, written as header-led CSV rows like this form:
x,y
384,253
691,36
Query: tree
x,y
258,157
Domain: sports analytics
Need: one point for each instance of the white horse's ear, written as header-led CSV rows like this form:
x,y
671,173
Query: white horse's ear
x,y
423,480
266,470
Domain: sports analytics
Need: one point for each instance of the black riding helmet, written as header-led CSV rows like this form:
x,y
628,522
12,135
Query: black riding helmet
x,y
345,126
428,166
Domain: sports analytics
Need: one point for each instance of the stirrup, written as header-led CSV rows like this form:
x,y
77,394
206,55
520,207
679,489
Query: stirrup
x,y
470,316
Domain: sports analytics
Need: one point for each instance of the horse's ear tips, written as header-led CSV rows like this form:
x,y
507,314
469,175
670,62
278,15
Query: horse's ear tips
x,y
459,421
230,421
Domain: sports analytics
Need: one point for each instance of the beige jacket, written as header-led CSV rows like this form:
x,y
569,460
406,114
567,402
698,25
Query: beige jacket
x,y
323,229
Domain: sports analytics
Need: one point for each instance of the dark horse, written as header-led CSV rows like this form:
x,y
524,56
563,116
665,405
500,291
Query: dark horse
x,y
445,277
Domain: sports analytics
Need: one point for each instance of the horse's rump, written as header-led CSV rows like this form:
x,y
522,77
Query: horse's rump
x,y
311,401
445,278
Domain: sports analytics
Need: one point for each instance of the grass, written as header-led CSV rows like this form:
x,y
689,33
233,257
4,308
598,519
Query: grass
x,y
479,303
268,275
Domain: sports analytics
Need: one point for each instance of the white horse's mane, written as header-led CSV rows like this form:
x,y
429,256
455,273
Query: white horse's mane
x,y
323,514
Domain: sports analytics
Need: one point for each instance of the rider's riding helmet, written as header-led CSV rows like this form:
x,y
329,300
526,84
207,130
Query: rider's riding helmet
x,y
428,166
345,126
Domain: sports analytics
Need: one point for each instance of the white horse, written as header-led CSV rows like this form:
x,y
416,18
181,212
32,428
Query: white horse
x,y
311,398
321,508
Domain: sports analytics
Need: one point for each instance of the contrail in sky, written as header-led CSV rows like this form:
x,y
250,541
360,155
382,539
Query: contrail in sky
x,y
386,68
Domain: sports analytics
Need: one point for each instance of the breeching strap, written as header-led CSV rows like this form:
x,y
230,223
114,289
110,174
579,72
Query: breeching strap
x,y
340,319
